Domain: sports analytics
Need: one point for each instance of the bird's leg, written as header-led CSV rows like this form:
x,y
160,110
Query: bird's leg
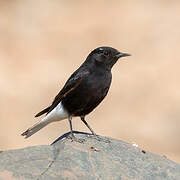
x,y
73,138
83,120
93,133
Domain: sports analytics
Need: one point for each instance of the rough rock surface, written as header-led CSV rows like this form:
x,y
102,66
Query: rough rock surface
x,y
92,160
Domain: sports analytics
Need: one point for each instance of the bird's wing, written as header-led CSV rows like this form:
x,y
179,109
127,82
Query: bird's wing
x,y
72,83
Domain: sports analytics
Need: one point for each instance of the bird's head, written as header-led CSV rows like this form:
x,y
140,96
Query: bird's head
x,y
105,56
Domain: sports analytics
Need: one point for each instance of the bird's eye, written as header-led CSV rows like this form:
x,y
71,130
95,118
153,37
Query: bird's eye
x,y
106,53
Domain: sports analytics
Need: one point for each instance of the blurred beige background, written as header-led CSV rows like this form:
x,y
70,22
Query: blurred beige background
x,y
42,42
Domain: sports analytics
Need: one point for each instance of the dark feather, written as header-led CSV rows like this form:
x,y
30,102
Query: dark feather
x,y
42,112
72,83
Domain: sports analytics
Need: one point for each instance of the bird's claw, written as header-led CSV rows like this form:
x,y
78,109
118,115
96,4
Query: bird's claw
x,y
74,138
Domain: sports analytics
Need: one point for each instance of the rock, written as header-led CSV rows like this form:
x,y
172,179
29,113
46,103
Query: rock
x,y
91,160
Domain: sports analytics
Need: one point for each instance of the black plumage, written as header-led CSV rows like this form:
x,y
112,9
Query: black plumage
x,y
88,85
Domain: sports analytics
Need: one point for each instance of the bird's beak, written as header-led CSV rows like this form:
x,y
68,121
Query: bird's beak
x,y
119,55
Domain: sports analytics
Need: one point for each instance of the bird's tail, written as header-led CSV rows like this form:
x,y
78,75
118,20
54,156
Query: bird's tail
x,y
57,114
29,132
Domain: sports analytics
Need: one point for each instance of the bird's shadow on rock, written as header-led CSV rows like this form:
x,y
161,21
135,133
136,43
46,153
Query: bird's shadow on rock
x,y
66,135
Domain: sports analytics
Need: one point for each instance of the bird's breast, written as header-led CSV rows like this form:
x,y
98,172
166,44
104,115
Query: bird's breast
x,y
98,83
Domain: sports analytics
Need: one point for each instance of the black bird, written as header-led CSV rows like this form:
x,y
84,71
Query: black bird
x,y
83,91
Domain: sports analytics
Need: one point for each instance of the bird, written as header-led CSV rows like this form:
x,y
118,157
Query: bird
x,y
83,92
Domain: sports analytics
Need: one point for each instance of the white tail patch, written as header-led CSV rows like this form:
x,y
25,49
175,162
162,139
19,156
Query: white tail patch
x,y
57,114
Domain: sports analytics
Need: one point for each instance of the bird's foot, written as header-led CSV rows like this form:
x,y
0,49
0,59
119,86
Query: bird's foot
x,y
98,138
74,138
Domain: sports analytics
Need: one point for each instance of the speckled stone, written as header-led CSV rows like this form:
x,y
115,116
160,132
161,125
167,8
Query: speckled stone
x,y
91,160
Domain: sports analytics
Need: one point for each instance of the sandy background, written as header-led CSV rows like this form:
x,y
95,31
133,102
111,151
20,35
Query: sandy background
x,y
42,42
